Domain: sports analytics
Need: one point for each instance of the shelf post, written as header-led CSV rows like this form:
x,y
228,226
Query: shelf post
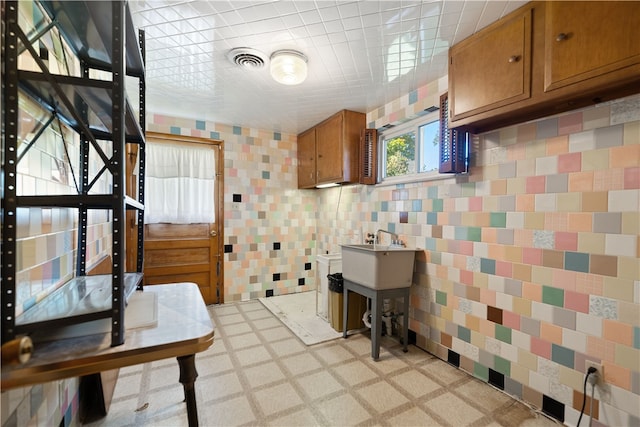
x,y
118,175
9,170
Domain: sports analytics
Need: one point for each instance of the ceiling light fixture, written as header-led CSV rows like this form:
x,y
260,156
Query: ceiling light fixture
x,y
288,67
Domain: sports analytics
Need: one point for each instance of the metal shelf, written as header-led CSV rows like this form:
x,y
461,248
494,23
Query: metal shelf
x,y
97,95
82,299
88,29
101,36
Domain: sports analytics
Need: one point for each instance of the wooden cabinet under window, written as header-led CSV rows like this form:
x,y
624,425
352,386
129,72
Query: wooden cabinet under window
x,y
542,59
328,152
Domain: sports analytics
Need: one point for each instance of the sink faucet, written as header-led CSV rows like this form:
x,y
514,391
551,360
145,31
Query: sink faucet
x,y
394,236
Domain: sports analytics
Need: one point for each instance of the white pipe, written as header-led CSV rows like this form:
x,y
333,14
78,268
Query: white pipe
x,y
365,319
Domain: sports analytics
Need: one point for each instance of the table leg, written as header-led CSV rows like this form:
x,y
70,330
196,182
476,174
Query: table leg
x,y
188,377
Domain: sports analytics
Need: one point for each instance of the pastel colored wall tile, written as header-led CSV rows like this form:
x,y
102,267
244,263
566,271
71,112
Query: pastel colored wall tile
x,y
607,222
624,201
595,201
562,355
541,347
616,375
618,332
604,265
569,202
581,181
570,162
532,256
511,320
566,241
576,261
576,301
632,178
621,245
579,221
603,307
591,242
535,184
551,333
570,123
564,279
625,156
553,296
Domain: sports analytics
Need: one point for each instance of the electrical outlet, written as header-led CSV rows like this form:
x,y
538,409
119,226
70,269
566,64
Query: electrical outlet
x,y
599,375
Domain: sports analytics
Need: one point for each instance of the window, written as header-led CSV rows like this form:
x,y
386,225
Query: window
x,y
424,148
411,150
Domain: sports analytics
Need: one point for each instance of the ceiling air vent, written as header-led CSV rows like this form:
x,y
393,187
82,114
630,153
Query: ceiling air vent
x,y
247,58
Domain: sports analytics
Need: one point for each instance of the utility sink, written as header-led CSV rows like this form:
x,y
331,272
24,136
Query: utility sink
x,y
378,266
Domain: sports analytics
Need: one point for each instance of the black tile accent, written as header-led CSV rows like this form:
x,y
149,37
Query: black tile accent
x,y
552,407
276,277
453,358
237,197
301,281
228,249
276,246
496,379
307,266
269,293
413,337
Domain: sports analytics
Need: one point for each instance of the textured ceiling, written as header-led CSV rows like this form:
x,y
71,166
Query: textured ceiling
x,y
361,55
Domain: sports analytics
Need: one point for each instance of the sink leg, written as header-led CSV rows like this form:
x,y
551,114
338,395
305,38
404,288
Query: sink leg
x,y
345,311
405,323
376,326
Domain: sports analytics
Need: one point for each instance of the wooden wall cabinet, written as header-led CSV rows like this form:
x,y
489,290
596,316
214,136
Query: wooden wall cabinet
x,y
492,69
542,59
328,152
575,53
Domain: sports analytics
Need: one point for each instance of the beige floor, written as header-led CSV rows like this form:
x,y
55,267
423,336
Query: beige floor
x,y
257,373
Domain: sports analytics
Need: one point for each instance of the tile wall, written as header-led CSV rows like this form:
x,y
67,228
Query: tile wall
x,y
531,262
269,225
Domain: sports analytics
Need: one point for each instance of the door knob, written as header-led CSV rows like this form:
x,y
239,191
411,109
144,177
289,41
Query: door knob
x,y
213,233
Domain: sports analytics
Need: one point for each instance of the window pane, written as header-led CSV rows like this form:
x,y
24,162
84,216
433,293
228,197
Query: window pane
x,y
400,154
429,153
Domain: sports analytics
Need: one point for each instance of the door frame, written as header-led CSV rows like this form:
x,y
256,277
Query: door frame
x,y
218,195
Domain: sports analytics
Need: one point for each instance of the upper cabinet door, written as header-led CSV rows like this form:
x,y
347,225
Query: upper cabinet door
x,y
307,159
329,149
589,39
492,68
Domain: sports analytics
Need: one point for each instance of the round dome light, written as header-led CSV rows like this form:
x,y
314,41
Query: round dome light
x,y
288,67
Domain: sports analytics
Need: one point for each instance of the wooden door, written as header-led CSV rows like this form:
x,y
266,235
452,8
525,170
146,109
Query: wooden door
x,y
188,252
307,159
588,39
329,149
491,69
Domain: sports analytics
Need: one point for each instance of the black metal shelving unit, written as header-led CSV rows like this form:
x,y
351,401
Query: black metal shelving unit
x,y
102,37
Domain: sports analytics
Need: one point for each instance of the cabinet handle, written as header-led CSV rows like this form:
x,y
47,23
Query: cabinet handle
x,y
561,37
514,58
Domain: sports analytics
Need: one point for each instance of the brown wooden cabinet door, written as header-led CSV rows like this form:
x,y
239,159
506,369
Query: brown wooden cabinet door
x,y
492,69
329,149
588,39
307,159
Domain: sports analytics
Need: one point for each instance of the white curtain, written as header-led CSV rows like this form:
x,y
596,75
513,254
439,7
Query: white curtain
x,y
179,184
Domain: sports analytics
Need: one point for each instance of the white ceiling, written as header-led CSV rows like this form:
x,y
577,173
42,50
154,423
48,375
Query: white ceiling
x,y
350,47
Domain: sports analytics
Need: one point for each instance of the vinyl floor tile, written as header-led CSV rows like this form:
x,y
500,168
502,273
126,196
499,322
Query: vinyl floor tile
x,y
258,373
